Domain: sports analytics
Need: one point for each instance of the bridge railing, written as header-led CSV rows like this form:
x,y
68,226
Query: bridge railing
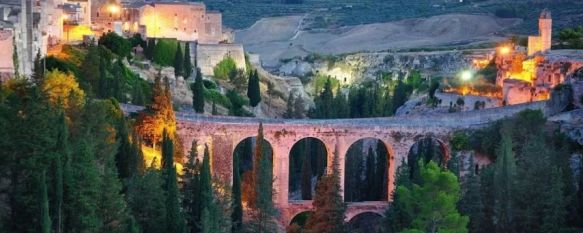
x,y
459,119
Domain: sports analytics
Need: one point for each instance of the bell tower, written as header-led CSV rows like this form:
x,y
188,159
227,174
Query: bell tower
x,y
545,25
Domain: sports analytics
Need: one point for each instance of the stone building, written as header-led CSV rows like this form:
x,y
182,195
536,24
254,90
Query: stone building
x,y
530,75
6,50
184,21
209,55
542,42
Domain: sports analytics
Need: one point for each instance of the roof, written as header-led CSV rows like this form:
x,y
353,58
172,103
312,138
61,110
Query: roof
x,y
545,14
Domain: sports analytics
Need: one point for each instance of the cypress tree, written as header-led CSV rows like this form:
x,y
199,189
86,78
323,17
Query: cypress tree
x,y
178,62
147,201
90,70
324,101
174,217
471,203
124,153
329,207
191,189
149,50
381,170
206,197
253,90
306,176
167,152
397,218
257,156
264,209
187,63
504,178
38,69
62,153
198,93
44,218
237,215
371,188
214,110
554,212
289,110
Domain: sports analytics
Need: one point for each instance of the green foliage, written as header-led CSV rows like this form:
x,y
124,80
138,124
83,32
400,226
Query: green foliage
x,y
460,141
224,69
237,215
198,91
253,90
164,52
571,38
117,44
329,207
237,103
44,218
178,62
146,199
433,203
54,63
188,68
504,190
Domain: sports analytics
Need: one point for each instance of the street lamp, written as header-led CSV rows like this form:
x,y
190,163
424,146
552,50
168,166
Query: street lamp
x,y
467,75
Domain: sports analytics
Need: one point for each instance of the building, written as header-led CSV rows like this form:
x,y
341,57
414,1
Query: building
x,y
7,68
542,42
526,77
184,21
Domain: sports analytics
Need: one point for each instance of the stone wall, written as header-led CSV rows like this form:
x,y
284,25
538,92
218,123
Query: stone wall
x,y
6,50
209,55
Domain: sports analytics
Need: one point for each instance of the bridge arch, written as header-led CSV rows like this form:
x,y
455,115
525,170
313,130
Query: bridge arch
x,y
367,221
431,148
308,160
300,218
243,154
366,170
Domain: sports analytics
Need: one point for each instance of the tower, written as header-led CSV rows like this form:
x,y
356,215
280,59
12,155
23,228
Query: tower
x,y
545,27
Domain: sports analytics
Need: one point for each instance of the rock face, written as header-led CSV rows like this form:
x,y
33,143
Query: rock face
x,y
355,67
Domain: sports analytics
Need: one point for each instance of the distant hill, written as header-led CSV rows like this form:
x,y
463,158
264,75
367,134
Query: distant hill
x,y
239,14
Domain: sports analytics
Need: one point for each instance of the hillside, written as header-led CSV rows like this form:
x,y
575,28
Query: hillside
x,y
286,37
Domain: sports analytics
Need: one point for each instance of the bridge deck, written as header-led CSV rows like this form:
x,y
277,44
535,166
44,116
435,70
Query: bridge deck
x,y
454,120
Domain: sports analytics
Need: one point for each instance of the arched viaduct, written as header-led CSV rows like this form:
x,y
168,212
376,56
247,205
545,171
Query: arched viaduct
x,y
222,134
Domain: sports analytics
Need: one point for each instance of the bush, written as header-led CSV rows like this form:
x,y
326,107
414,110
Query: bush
x,y
460,141
165,52
54,63
209,84
225,68
215,96
116,44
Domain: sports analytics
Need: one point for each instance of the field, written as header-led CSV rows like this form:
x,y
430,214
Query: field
x,y
279,38
239,14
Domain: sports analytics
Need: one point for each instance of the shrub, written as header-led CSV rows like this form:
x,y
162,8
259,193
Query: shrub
x,y
165,52
225,68
116,44
460,141
208,84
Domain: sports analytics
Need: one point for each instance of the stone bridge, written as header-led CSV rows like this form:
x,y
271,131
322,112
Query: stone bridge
x,y
399,134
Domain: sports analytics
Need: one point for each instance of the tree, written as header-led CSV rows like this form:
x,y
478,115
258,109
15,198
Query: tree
x,y
400,95
433,203
90,70
62,155
187,63
397,218
224,68
116,44
149,49
504,178
165,52
329,207
146,199
299,108
324,101
237,216
253,90
83,191
198,93
38,74
44,217
62,88
306,172
471,203
158,116
289,112
178,62
191,189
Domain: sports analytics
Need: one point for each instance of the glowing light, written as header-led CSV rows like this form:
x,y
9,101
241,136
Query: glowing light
x,y
65,17
504,50
467,75
113,9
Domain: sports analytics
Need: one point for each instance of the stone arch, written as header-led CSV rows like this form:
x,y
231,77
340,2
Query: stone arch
x,y
243,153
367,221
429,146
357,157
307,162
300,218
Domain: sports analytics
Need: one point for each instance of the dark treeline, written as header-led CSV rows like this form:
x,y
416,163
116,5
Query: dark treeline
x,y
366,173
361,101
530,187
